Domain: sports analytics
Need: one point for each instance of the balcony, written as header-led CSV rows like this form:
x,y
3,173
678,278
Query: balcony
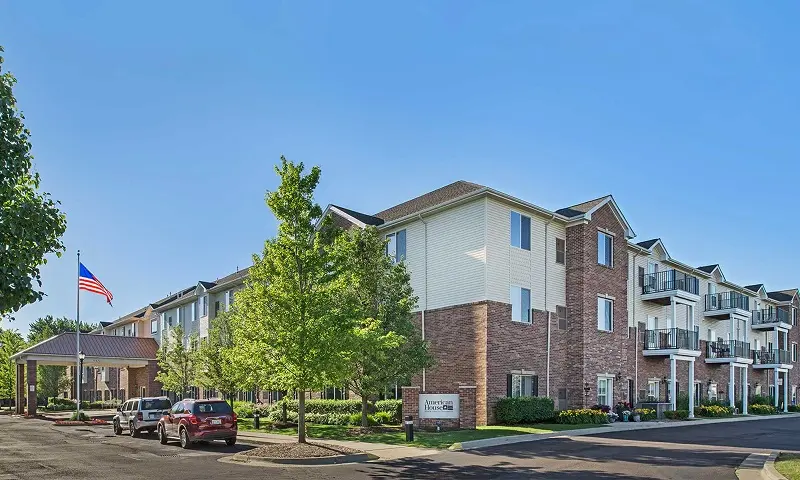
x,y
668,341
767,319
722,305
659,287
771,359
727,351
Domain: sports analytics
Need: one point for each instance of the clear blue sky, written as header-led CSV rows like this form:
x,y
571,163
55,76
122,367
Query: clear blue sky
x,y
157,124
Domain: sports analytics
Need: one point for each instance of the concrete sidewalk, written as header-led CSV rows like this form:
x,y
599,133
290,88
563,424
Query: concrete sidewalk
x,y
382,450
612,428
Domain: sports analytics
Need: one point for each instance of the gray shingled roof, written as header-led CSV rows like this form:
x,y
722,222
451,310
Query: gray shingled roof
x,y
105,346
755,287
708,268
648,243
781,296
581,208
340,221
428,200
361,217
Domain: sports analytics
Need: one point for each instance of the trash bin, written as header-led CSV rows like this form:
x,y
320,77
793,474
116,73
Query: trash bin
x,y
409,428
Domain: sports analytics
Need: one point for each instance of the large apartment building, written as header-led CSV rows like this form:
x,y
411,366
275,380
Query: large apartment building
x,y
518,300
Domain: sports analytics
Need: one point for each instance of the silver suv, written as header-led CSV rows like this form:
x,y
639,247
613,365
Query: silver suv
x,y
138,414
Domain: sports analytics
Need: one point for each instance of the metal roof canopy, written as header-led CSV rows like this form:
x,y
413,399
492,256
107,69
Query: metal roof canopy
x,y
99,351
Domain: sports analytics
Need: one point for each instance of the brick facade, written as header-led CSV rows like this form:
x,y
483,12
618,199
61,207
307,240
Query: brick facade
x,y
143,377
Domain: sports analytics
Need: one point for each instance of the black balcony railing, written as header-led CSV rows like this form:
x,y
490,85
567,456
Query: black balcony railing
x,y
771,357
728,349
773,315
669,280
670,338
727,300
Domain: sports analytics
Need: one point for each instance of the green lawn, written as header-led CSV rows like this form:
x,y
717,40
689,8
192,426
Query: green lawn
x,y
421,439
788,464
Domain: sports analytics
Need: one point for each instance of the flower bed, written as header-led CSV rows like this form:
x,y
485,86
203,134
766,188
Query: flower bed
x,y
758,409
582,416
646,414
72,423
676,414
713,411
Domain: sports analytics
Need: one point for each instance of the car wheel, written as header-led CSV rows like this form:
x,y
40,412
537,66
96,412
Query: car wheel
x,y
117,428
162,436
134,433
230,441
185,443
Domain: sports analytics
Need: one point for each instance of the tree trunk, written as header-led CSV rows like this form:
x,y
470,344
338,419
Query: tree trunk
x,y
364,406
301,417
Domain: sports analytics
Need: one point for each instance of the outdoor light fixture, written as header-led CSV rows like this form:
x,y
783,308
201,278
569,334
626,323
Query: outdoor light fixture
x,y
81,356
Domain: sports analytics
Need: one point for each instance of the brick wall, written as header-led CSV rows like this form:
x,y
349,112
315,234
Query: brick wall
x,y
143,377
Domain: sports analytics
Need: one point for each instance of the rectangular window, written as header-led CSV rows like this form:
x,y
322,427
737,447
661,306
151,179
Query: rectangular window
x,y
794,316
758,344
561,251
163,321
561,313
194,311
524,385
794,352
520,231
169,320
396,246
153,326
605,314
605,249
604,389
641,276
698,393
216,308
520,304
204,306
178,314
712,391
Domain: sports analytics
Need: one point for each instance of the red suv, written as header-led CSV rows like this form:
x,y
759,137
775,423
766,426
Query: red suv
x,y
193,421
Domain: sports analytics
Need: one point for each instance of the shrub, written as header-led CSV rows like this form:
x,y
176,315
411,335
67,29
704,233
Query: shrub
x,y
602,408
762,400
384,418
761,409
647,414
244,409
355,420
82,416
677,414
793,408
682,402
392,407
512,411
581,416
324,406
718,403
712,411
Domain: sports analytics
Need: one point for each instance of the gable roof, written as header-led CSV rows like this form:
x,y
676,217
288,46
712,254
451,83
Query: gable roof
x,y
361,217
648,244
781,296
581,208
708,268
430,199
754,287
93,345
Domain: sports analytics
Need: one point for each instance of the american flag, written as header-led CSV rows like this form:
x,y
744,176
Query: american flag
x,y
87,281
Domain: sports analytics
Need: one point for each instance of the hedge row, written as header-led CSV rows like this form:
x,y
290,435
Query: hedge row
x,y
582,416
676,414
329,412
760,409
713,411
511,411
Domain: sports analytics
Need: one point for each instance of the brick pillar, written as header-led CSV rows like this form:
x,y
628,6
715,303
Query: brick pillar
x,y
153,386
19,404
31,371
467,406
411,404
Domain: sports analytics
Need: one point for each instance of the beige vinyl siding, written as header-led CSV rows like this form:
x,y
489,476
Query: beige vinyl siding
x,y
507,265
644,309
456,256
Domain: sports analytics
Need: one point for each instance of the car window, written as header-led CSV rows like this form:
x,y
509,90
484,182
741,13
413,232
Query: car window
x,y
222,408
135,405
177,408
127,406
156,404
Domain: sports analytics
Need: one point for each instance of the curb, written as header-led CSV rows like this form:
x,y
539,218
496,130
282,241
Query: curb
x,y
315,461
533,437
759,466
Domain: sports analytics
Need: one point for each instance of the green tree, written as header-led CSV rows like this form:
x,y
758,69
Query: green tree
x,y
31,225
215,358
386,347
11,342
52,379
177,361
290,327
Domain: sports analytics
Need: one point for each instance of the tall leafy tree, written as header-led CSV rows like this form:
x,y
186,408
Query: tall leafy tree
x,y
11,342
31,224
52,379
177,362
215,359
290,325
386,346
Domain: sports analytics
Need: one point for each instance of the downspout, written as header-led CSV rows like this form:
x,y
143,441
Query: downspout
x,y
547,312
425,303
636,340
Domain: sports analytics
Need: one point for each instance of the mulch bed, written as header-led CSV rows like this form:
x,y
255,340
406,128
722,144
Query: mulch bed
x,y
298,451
371,430
74,423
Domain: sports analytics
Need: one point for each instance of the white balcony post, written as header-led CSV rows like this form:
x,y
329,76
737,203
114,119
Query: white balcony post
x,y
672,397
775,388
674,321
732,387
745,391
691,388
786,391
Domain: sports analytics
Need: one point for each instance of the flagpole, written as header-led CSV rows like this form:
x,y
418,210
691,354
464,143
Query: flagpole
x,y
78,371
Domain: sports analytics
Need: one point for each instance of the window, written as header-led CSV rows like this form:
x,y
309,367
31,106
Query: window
x,y
712,391
698,393
228,300
216,308
520,231
641,276
605,314
605,249
178,313
561,251
396,246
758,344
520,304
604,391
204,306
194,311
652,390
794,352
794,316
523,385
561,313
769,346
169,320
163,321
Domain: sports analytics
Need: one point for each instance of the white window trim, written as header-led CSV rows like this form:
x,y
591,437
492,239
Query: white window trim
x,y
611,239
530,300
609,389
605,299
794,352
516,384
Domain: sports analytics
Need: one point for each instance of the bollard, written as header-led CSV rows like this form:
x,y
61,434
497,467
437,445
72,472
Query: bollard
x,y
256,420
409,427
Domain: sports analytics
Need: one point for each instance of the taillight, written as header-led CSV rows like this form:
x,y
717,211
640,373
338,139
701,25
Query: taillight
x,y
192,419
139,416
234,417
